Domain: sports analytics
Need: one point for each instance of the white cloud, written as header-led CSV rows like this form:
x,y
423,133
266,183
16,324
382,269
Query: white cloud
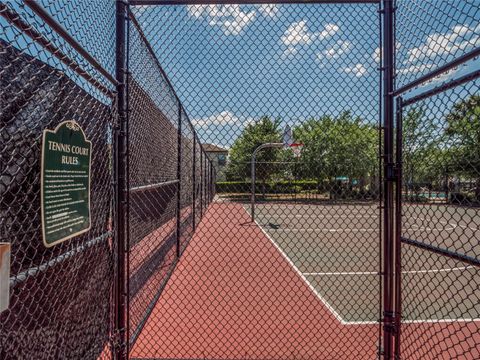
x,y
335,51
358,70
328,31
230,18
298,35
460,37
269,10
376,55
224,118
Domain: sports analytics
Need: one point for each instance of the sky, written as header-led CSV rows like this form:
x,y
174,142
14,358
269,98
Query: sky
x,y
232,64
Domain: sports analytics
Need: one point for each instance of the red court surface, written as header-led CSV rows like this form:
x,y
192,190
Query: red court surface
x,y
234,296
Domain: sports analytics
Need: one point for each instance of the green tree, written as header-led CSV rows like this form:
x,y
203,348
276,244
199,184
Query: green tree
x,y
342,146
463,139
260,132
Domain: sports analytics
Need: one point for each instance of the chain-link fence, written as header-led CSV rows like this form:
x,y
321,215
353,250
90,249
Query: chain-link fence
x,y
303,280
166,181
60,296
214,233
438,122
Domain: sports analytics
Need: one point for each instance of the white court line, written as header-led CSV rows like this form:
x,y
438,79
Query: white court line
x,y
332,309
324,216
377,273
325,230
299,273
359,230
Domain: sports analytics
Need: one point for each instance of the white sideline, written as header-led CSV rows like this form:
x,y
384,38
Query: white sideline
x,y
299,273
361,230
332,309
403,272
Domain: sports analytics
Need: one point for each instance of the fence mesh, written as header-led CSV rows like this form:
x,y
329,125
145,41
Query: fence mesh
x,y
161,181
228,258
439,225
440,301
303,280
60,297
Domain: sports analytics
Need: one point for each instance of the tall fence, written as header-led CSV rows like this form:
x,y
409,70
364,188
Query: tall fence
x,y
364,245
437,87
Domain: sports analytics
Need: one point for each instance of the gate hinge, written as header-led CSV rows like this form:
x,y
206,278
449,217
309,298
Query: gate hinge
x,y
389,322
393,171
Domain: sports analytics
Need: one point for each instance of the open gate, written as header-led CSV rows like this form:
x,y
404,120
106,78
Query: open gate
x,y
364,245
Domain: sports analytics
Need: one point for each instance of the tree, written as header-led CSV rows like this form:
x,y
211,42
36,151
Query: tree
x,y
463,139
342,146
262,131
421,148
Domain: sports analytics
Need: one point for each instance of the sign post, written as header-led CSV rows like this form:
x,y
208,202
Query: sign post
x,y
65,183
4,276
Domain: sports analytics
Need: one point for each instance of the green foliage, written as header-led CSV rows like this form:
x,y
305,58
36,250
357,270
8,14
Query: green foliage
x,y
463,130
269,187
435,151
338,146
423,154
263,131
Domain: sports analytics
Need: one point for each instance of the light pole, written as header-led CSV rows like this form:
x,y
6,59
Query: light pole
x,y
254,157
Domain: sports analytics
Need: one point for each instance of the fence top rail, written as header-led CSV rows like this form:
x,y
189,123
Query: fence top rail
x,y
441,88
13,18
438,71
248,2
50,21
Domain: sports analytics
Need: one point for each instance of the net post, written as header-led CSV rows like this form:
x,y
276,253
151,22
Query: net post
x,y
120,305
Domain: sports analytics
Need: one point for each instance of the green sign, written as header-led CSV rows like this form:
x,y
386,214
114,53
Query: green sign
x,y
65,183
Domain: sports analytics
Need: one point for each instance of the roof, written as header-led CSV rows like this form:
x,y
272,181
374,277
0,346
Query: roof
x,y
213,148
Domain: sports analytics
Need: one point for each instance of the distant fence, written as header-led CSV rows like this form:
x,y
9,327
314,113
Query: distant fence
x,y
64,299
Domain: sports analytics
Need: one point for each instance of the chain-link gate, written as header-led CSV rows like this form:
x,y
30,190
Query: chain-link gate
x,y
301,279
438,187
354,237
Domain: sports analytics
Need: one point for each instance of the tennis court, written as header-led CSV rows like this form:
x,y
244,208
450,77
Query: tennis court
x,y
335,248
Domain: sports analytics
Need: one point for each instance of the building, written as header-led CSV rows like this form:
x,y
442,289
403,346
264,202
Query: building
x,y
218,156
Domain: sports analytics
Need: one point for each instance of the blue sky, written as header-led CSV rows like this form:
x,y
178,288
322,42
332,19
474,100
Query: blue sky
x,y
232,64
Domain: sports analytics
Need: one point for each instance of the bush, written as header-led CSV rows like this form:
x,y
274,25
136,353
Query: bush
x,y
417,198
277,187
461,198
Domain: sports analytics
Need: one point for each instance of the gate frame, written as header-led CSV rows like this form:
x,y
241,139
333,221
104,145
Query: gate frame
x,y
387,37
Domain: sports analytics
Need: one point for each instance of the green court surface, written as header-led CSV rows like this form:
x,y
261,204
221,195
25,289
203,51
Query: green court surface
x,y
336,248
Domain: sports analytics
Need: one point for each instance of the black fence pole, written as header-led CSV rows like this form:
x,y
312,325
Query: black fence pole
x,y
179,175
194,182
398,226
201,181
120,336
389,178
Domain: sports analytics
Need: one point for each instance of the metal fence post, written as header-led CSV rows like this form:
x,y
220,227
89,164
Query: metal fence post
x,y
179,175
201,181
398,226
389,177
120,349
194,182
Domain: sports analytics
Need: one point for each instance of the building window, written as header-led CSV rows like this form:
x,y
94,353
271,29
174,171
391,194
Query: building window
x,y
222,159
